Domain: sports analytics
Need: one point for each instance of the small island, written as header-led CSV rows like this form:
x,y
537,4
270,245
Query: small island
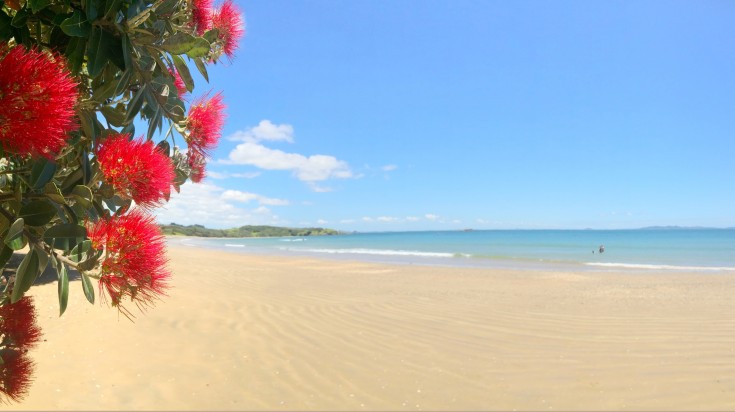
x,y
245,231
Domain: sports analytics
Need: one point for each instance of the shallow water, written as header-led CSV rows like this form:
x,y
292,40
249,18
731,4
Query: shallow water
x,y
707,250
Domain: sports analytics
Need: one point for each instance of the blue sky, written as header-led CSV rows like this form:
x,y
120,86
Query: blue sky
x,y
415,115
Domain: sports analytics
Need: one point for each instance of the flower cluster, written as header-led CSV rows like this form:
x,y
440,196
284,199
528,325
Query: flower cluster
x,y
178,82
136,169
206,118
18,333
134,263
228,20
37,99
201,15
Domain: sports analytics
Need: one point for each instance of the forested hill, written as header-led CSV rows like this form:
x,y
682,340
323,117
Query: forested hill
x,y
245,231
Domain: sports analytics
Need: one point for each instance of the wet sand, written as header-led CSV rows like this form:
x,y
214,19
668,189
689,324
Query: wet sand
x,y
264,332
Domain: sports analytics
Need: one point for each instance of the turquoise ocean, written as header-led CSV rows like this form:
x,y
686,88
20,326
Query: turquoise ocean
x,y
705,250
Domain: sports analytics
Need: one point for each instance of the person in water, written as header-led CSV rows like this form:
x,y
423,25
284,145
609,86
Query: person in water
x,y
602,248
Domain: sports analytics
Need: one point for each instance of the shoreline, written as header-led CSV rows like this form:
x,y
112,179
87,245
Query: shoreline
x,y
448,260
262,332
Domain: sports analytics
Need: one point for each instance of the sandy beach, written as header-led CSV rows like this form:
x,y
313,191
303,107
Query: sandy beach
x,y
245,332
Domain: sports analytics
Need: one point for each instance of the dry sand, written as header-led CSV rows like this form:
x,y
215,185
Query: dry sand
x,y
262,332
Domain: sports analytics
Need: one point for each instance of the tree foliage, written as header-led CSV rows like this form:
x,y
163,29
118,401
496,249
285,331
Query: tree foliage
x,y
77,180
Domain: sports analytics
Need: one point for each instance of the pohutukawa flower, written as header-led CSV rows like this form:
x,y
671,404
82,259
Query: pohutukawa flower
x,y
37,99
229,21
206,118
18,333
201,15
136,169
16,374
134,264
18,324
197,164
178,82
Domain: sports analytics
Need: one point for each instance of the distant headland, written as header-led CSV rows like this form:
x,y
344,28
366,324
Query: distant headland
x,y
245,231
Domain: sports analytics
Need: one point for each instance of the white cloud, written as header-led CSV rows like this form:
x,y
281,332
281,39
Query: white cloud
x,y
387,219
265,130
389,168
204,204
322,222
430,216
413,218
225,175
247,197
309,169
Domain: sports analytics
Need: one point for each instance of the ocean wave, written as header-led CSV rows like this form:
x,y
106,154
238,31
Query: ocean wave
x,y
233,245
660,267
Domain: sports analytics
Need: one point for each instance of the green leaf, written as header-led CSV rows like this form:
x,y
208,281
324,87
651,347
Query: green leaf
x,y
79,252
38,5
101,47
183,69
42,259
111,8
25,275
6,31
87,288
135,104
15,239
75,53
164,147
72,179
202,66
91,10
63,287
37,212
43,171
200,49
180,43
124,82
77,25
20,19
114,115
128,50
83,195
52,192
5,255
105,91
65,236
129,129
153,123
211,35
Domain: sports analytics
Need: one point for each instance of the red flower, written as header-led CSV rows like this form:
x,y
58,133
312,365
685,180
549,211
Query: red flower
x,y
206,119
197,163
135,264
37,98
228,20
18,333
136,169
178,82
16,374
201,15
18,324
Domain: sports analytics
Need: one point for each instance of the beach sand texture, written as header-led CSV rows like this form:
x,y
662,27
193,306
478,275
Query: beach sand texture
x,y
264,332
